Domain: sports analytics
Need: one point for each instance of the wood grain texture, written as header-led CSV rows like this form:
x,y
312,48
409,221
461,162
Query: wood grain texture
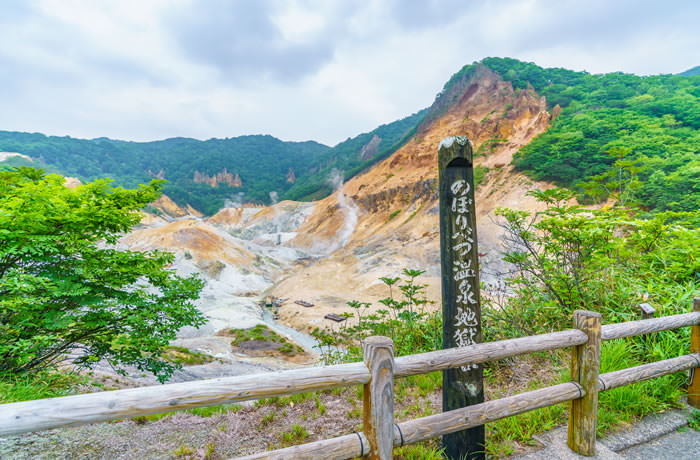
x,y
461,307
430,427
636,374
482,352
449,422
44,414
343,447
694,385
378,410
585,364
645,326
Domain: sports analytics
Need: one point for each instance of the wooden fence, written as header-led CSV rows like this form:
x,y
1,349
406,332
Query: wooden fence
x,y
377,374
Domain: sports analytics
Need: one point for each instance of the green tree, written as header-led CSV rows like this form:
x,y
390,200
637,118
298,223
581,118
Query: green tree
x,y
65,287
568,257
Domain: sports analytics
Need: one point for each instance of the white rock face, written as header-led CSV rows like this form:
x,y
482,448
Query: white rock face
x,y
250,252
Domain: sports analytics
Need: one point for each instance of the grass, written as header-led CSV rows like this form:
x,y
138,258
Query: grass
x,y
413,214
266,420
204,412
502,435
429,450
37,386
282,401
296,435
243,338
183,451
393,214
629,403
185,356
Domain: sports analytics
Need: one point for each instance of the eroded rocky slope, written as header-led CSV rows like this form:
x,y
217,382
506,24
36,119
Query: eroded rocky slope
x,y
334,250
394,206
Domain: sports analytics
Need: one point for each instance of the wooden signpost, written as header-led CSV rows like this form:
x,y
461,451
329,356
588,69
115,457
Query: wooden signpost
x,y
461,308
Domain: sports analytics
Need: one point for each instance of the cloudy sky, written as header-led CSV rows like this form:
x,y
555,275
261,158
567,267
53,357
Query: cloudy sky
x,y
298,70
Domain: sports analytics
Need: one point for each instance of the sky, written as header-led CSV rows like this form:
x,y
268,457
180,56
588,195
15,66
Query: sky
x,y
298,70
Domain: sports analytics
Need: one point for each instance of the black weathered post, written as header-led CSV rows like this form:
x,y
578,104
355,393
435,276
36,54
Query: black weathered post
x,y
461,307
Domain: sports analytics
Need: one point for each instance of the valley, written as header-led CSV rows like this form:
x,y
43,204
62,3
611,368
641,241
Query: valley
x,y
275,271
335,250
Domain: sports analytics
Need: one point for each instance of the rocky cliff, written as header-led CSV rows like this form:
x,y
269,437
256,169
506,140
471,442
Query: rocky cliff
x,y
222,177
396,202
383,220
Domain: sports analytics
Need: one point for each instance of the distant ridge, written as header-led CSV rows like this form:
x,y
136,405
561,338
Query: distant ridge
x,y
691,72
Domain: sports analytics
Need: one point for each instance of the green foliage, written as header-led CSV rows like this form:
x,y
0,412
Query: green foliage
x,y
261,333
655,120
63,286
694,419
609,260
502,434
405,320
346,157
489,146
420,451
185,356
625,404
479,174
39,385
393,214
296,435
262,162
568,257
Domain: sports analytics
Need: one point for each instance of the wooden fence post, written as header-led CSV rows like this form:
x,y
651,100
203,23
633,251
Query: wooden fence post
x,y
378,410
585,364
694,385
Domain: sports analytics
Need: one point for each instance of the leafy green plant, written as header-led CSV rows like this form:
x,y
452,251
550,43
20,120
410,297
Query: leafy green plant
x,y
184,451
694,419
296,435
404,319
568,257
62,289
267,419
479,174
245,338
420,451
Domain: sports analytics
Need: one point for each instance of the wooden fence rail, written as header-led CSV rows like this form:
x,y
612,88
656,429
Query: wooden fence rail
x,y
377,374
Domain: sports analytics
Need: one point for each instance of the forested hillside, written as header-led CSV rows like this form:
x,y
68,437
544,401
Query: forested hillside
x,y
613,134
251,165
615,131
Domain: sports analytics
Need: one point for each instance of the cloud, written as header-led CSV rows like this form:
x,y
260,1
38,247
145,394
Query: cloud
x,y
322,70
247,41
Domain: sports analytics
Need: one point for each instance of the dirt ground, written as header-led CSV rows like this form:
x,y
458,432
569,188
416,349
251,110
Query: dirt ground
x,y
254,426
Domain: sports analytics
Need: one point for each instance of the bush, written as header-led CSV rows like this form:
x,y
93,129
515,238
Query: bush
x,y
65,288
410,326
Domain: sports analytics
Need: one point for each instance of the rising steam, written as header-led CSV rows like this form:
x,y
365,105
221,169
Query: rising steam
x,y
236,201
348,208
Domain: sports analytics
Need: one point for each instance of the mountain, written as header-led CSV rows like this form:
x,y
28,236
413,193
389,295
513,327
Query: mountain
x,y
530,128
691,72
385,217
204,174
644,129
200,173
